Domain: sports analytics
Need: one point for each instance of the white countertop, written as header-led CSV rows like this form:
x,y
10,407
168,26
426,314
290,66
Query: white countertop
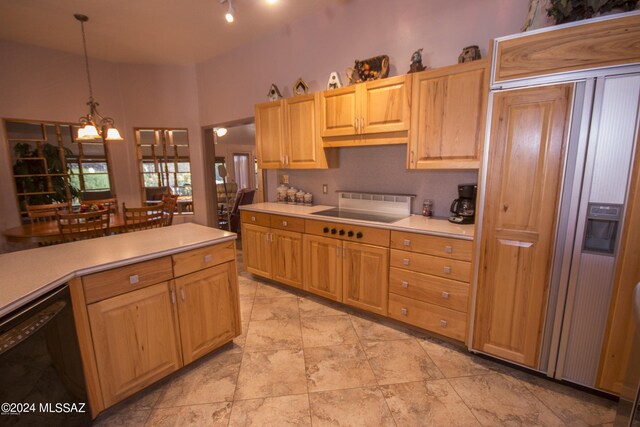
x,y
25,275
413,223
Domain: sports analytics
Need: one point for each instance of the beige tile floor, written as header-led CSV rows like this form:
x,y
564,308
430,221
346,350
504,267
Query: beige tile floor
x,y
302,361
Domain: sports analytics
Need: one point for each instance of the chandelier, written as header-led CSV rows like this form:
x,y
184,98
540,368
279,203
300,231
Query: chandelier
x,y
94,124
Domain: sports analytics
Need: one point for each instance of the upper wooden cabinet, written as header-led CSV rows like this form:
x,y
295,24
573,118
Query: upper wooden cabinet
x,y
287,134
528,134
371,113
606,42
448,117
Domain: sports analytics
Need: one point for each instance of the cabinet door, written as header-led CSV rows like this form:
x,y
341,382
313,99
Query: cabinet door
x,y
365,277
385,105
339,109
323,266
206,309
528,136
286,256
256,249
448,116
135,340
270,135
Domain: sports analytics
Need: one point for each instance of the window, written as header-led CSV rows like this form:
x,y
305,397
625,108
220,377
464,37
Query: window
x,y
163,156
51,166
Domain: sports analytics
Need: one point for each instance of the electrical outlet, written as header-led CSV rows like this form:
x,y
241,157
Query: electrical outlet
x,y
325,189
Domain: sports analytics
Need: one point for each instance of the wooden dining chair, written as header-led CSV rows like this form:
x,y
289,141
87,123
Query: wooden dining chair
x,y
83,225
170,202
45,213
143,218
231,221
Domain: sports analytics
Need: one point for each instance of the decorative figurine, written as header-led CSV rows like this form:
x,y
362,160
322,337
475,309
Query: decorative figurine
x,y
300,87
274,93
469,53
416,62
334,81
370,69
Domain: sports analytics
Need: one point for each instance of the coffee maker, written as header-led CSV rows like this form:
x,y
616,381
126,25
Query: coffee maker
x,y
464,207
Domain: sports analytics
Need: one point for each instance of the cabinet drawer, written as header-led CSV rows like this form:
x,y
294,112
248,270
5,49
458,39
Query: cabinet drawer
x,y
107,284
434,290
287,223
201,258
348,232
432,245
256,218
436,266
431,317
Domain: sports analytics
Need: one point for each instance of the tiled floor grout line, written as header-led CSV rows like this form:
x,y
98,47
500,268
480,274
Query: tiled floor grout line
x,y
539,400
463,401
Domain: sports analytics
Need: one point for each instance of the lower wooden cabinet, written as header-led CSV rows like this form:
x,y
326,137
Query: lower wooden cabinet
x,y
129,340
323,266
365,277
135,339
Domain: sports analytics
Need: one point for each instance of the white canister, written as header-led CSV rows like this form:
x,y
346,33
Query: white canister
x,y
281,194
291,195
308,199
300,197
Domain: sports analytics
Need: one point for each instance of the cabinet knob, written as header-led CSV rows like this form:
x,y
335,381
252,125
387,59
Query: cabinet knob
x,y
404,311
406,242
445,295
284,223
325,230
208,258
448,249
447,270
253,219
341,232
350,233
406,261
443,323
405,284
134,279
334,231
359,235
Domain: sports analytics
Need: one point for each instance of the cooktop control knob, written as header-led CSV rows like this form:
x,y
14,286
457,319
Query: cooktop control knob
x,y
325,230
341,232
359,235
334,231
350,233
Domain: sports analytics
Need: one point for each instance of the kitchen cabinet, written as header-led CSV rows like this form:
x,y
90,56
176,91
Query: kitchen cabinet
x,y
528,133
147,320
370,113
429,282
448,116
365,277
274,252
287,135
323,266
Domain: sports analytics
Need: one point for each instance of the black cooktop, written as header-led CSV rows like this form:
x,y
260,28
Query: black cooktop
x,y
359,215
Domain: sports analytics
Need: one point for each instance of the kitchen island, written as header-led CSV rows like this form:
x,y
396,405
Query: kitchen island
x,y
145,303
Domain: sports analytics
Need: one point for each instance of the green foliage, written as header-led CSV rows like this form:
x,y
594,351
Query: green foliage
x,y
564,11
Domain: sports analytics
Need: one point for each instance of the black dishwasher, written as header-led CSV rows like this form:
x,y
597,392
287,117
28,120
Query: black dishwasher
x,y
41,371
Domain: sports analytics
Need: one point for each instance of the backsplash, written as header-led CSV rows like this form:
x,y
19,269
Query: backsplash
x,y
377,169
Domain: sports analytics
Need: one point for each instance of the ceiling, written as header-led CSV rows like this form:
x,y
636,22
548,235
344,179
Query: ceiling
x,y
149,31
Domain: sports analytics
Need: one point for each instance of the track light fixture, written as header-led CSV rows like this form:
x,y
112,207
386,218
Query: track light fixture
x,y
229,15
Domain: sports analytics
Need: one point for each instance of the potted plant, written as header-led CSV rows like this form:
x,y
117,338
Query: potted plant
x,y
563,11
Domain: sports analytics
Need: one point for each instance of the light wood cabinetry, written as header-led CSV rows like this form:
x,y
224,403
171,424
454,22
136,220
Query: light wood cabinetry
x,y
140,322
448,112
323,266
580,47
370,113
287,135
528,134
429,282
365,280
273,252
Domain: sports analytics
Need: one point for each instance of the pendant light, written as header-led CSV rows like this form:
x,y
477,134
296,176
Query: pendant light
x,y
229,15
91,129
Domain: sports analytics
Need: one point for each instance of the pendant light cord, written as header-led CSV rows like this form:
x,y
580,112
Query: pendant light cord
x,y
86,61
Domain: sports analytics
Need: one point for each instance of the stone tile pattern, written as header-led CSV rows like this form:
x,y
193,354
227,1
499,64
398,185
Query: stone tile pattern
x,y
304,361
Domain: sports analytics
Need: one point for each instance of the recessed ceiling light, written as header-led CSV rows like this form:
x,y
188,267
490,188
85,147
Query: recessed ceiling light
x,y
272,1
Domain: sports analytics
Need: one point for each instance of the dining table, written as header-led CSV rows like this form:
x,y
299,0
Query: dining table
x,y
48,232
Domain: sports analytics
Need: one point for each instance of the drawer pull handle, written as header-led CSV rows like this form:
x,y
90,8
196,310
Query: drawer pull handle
x,y
284,223
515,243
173,297
443,323
134,279
447,270
405,284
445,295
182,294
253,219
448,249
404,311
406,261
208,258
406,242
